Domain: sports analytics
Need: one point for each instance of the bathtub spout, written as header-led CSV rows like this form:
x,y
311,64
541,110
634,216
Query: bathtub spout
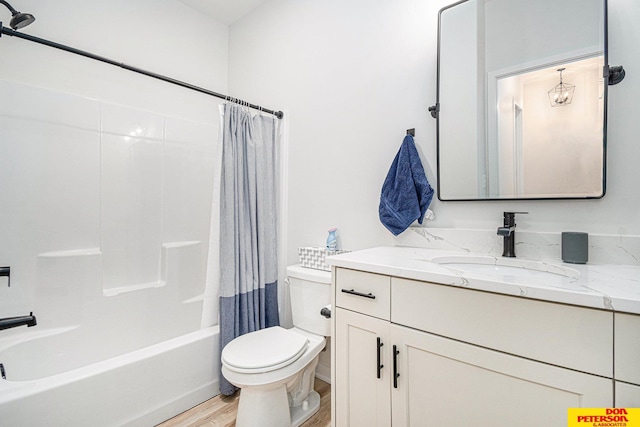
x,y
13,322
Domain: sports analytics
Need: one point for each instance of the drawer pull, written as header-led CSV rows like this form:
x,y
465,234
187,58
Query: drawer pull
x,y
395,366
380,366
360,294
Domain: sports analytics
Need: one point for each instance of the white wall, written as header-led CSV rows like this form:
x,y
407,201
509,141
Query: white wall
x,y
354,75
164,37
352,79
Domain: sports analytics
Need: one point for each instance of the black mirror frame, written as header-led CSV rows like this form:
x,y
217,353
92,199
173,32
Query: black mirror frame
x,y
613,74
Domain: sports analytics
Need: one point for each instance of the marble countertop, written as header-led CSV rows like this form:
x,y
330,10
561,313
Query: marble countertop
x,y
607,287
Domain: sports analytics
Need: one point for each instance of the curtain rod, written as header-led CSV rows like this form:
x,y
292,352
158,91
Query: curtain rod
x,y
13,33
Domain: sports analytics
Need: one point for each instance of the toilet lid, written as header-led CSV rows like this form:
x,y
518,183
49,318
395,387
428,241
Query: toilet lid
x,y
264,350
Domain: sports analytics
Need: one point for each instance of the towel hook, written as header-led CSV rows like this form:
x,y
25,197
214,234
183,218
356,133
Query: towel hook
x,y
411,131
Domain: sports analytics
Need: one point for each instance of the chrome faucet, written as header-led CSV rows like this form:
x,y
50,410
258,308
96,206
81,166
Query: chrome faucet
x,y
508,232
14,322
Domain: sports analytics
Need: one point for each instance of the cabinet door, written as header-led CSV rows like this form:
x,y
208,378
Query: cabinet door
x,y
627,395
444,383
362,399
627,347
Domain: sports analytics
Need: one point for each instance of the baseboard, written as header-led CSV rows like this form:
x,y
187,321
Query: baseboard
x,y
324,373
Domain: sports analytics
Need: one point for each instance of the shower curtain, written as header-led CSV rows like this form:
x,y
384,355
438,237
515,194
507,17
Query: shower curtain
x,y
248,240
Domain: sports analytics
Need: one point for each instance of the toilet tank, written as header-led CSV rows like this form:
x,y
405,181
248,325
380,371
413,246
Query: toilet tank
x,y
310,291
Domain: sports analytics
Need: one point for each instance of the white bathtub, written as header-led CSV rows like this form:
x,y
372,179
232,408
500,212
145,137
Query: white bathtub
x,y
139,388
108,237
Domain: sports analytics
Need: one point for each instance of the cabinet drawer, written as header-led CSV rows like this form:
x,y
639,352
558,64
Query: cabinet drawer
x,y
627,347
365,293
573,337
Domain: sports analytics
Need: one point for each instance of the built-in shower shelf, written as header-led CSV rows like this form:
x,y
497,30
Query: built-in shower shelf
x,y
72,253
111,292
180,244
195,299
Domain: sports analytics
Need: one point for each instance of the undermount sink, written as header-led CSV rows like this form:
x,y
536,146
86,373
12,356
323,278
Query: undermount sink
x,y
499,266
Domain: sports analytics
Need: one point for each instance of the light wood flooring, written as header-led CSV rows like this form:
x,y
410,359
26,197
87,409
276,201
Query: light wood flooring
x,y
220,411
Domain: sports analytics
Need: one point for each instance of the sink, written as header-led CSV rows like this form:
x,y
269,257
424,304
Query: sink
x,y
512,267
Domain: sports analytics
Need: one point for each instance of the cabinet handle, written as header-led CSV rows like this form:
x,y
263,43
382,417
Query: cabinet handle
x,y
360,294
395,366
380,366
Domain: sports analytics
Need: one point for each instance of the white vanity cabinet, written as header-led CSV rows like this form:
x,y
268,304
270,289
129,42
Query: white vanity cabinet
x,y
361,340
444,382
627,360
437,358
362,370
627,395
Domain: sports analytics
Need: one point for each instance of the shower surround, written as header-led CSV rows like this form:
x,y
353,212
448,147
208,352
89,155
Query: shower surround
x,y
105,225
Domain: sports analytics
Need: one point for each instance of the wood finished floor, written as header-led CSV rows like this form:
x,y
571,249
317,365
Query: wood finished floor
x,y
220,411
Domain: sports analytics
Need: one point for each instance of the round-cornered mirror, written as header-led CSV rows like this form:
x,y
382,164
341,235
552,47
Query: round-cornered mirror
x,y
522,99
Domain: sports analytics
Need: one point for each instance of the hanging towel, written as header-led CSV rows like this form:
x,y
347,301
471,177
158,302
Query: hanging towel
x,y
406,193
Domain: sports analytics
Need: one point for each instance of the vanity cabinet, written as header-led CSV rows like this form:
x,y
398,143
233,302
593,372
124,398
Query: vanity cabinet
x,y
627,348
627,395
627,360
444,382
363,370
437,358
362,346
569,336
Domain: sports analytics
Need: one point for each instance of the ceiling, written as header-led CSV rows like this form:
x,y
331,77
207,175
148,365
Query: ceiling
x,y
225,11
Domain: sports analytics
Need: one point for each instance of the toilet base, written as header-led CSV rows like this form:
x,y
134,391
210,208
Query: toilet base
x,y
299,414
271,408
263,407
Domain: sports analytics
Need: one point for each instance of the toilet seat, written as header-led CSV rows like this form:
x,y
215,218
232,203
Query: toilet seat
x,y
264,350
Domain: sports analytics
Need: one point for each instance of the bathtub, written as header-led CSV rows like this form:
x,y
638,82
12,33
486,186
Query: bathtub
x,y
138,388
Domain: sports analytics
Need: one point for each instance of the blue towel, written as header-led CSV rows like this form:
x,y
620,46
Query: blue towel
x,y
406,193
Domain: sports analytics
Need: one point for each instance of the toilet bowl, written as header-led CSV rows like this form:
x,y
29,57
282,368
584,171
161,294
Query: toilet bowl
x,y
275,367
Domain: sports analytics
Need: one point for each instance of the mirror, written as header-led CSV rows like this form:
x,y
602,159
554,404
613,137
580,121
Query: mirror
x,y
521,99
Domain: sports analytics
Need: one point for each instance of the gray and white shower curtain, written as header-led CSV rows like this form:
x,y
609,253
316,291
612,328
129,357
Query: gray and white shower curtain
x,y
248,226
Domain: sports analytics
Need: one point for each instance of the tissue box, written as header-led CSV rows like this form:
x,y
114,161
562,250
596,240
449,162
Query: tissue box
x,y
313,257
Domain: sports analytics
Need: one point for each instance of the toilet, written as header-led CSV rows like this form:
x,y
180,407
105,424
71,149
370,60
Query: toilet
x,y
275,367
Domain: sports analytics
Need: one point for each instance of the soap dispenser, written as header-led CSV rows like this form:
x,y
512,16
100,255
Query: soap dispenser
x,y
332,242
